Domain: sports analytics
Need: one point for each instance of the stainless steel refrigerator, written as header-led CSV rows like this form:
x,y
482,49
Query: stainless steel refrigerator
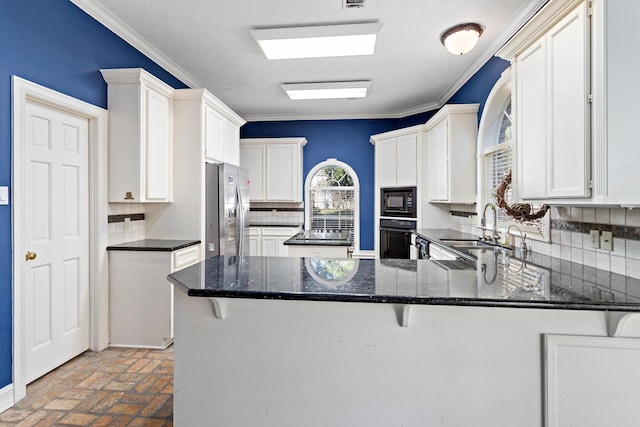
x,y
227,210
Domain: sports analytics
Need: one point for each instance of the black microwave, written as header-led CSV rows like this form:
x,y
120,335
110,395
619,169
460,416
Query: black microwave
x,y
398,202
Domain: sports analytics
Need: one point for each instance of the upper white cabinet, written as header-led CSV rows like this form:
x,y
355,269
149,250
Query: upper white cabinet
x,y
199,123
275,168
615,103
552,111
450,174
215,126
140,136
396,157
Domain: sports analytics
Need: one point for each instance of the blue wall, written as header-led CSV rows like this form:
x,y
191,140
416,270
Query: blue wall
x,y
55,44
348,140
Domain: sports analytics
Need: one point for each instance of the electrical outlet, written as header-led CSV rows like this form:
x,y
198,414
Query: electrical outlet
x,y
127,224
595,239
607,240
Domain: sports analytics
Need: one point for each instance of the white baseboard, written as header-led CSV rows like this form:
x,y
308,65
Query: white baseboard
x,y
6,398
365,254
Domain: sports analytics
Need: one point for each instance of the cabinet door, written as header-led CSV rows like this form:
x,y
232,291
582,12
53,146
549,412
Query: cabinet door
x,y
531,111
568,154
213,135
270,246
283,250
438,161
158,147
386,162
407,160
282,173
252,158
231,143
255,246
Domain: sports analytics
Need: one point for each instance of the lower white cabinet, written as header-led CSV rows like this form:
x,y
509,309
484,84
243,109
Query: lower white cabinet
x,y
141,297
319,251
591,381
269,241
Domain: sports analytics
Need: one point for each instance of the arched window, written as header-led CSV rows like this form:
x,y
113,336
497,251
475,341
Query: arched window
x,y
495,155
332,199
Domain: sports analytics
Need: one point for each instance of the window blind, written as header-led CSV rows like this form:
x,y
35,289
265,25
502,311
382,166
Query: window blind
x,y
332,208
498,163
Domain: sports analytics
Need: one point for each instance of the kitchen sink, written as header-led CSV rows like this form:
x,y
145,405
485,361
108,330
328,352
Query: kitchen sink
x,y
468,244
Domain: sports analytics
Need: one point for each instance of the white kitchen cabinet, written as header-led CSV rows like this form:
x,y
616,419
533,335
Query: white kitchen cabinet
x,y
581,390
552,112
198,116
220,127
275,168
140,136
221,134
615,130
273,239
551,94
451,154
255,241
269,241
396,157
318,251
141,297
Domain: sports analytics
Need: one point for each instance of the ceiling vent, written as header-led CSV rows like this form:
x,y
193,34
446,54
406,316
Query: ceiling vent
x,y
353,4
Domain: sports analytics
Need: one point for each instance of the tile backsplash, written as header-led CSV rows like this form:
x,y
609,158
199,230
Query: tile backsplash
x,y
117,212
570,239
276,213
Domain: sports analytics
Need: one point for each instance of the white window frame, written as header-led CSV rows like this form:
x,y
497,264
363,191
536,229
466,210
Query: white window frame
x,y
356,196
488,138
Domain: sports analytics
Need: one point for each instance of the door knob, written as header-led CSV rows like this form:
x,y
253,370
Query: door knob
x,y
31,256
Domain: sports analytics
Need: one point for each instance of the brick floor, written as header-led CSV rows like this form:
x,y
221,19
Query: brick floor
x,y
115,387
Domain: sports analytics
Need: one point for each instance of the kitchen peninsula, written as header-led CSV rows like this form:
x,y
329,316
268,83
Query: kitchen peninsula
x,y
318,342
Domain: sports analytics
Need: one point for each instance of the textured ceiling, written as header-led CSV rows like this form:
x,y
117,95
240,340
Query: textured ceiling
x,y
411,72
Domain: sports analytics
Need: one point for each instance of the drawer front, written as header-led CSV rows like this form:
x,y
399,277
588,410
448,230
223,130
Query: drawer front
x,y
184,257
280,231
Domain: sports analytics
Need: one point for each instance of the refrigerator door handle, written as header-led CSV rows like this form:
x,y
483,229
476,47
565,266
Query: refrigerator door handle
x,y
240,223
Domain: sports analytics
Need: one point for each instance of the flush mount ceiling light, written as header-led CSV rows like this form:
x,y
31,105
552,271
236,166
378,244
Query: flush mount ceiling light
x,y
462,38
327,90
319,41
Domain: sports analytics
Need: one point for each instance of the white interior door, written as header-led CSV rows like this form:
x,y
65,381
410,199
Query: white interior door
x,y
56,238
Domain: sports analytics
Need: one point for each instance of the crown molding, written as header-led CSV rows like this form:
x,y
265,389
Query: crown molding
x,y
287,117
551,14
117,26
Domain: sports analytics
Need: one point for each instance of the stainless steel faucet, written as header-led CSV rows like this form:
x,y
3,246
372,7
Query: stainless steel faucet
x,y
494,236
523,240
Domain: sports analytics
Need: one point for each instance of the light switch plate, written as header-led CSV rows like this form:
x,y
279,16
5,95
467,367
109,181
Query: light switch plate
x,y
595,239
607,240
4,195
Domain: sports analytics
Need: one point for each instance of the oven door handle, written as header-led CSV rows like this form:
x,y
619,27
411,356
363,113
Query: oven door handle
x,y
408,231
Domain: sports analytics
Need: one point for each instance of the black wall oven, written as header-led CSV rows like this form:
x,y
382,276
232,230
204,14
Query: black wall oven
x,y
399,202
398,212
395,238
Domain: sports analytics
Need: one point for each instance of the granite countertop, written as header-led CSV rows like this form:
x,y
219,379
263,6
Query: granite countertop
x,y
494,280
157,245
314,238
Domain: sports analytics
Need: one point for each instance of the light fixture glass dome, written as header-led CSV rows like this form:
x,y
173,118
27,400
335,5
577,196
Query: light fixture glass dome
x,y
462,38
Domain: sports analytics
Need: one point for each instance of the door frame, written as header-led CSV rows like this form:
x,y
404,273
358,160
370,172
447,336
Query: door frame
x,y
24,91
